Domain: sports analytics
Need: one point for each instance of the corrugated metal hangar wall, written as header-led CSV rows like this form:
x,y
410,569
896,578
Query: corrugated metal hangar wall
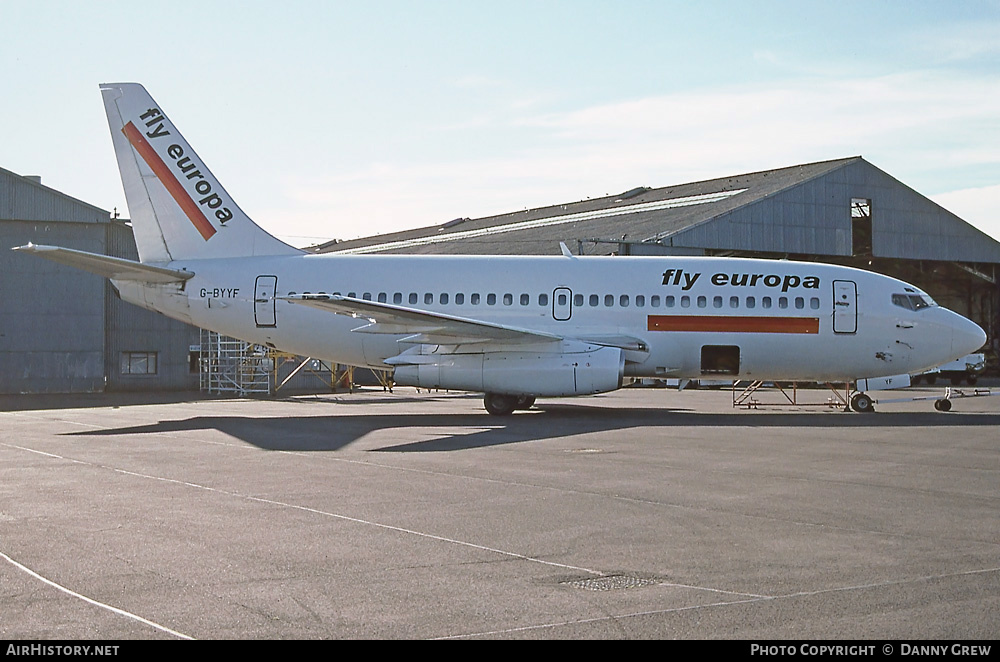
x,y
66,331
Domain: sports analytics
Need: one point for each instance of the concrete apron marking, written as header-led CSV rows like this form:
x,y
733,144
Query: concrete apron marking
x,y
115,610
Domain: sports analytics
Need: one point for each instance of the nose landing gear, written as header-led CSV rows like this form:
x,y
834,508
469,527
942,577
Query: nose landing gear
x,y
862,403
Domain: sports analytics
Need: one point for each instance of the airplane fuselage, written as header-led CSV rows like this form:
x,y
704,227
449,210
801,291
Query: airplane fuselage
x,y
673,317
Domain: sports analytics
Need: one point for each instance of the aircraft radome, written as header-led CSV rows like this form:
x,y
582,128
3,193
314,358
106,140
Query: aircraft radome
x,y
513,328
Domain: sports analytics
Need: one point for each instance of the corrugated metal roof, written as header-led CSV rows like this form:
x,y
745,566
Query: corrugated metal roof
x,y
23,199
802,209
639,220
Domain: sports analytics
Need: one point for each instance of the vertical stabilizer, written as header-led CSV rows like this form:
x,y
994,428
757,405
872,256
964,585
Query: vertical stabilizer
x,y
179,209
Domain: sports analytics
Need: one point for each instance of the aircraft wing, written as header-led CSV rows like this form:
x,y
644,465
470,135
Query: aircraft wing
x,y
424,326
114,268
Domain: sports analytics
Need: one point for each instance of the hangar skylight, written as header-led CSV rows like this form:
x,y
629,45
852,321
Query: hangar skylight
x,y
670,203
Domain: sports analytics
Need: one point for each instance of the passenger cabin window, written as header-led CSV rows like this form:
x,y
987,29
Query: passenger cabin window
x,y
543,299
459,299
474,299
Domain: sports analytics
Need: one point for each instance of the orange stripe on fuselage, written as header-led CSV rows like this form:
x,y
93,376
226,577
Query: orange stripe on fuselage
x,y
174,187
732,324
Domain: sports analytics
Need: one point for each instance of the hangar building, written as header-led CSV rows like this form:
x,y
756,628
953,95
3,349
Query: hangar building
x,y
66,331
845,211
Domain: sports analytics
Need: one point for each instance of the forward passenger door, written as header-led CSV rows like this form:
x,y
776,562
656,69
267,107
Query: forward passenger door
x,y
845,306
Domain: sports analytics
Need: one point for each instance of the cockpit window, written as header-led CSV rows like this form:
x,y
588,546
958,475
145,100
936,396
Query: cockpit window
x,y
912,301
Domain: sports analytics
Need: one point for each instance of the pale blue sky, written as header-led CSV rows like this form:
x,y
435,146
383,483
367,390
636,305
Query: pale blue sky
x,y
341,119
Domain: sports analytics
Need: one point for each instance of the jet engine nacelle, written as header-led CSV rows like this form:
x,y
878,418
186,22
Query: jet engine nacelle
x,y
520,373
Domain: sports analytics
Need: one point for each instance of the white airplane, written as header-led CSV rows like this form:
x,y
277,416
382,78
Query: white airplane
x,y
512,328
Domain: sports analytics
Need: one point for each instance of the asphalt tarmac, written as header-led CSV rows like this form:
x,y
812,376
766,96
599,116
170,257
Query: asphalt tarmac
x,y
644,513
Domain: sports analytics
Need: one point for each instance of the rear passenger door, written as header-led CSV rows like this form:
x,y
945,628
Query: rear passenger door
x,y
263,301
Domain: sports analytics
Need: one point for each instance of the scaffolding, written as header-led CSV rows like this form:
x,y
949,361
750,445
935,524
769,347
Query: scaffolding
x,y
745,394
228,365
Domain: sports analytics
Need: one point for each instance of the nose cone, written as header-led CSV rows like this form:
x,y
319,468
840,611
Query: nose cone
x,y
966,336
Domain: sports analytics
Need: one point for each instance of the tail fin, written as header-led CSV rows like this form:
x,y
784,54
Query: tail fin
x,y
179,209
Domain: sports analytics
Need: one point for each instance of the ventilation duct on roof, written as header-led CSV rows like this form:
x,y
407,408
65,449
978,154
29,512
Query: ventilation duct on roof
x,y
631,193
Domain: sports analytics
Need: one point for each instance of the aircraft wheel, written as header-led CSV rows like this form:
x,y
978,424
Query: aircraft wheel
x,y
525,402
942,405
971,380
499,404
931,379
862,403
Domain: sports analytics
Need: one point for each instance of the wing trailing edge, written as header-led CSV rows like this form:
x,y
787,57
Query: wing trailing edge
x,y
427,327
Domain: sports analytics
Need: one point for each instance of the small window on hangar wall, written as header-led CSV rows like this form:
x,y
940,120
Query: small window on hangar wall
x,y
861,226
139,363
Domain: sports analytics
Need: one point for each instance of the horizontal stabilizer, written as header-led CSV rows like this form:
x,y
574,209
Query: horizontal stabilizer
x,y
114,268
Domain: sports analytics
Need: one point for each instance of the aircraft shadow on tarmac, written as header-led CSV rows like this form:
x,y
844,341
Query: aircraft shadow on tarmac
x,y
546,421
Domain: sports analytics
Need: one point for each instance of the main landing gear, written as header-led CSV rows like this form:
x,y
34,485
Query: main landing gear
x,y
501,404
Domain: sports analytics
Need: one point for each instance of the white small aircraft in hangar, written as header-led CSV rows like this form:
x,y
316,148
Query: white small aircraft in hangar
x,y
512,328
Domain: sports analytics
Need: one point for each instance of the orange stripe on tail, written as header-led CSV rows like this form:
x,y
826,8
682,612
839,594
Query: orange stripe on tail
x,y
167,178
